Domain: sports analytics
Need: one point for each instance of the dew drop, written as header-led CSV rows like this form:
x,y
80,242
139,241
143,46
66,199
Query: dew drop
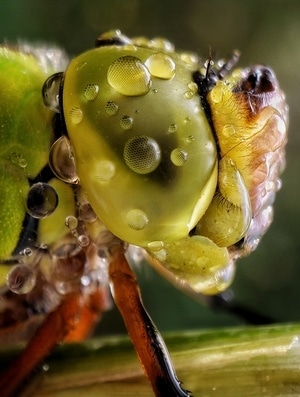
x,y
91,92
71,222
228,130
86,213
76,115
111,108
190,139
155,245
126,122
142,154
189,94
137,219
51,90
190,59
42,200
178,157
105,170
83,240
129,76
161,65
61,160
187,120
216,95
172,128
26,251
17,159
193,87
159,43
21,279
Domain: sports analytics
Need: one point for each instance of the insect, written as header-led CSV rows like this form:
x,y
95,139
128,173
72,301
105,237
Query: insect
x,y
132,145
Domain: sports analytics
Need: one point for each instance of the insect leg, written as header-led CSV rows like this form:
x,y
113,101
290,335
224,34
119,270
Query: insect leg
x,y
147,341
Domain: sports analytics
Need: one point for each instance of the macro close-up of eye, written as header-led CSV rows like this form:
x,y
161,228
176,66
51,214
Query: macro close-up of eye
x,y
148,200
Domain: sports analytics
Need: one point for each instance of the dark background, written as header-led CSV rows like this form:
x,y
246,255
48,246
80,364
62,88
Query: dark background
x,y
266,32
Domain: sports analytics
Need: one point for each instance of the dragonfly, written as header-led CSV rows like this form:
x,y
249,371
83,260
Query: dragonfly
x,y
130,148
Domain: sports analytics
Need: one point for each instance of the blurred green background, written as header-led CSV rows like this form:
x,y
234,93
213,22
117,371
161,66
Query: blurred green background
x,y
266,32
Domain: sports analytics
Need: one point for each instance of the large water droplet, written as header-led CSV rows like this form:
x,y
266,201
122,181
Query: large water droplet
x,y
161,65
178,157
142,154
51,90
137,219
129,76
42,200
61,160
21,279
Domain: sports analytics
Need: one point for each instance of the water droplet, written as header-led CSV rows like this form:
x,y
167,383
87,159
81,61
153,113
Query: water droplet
x,y
61,160
42,200
160,255
178,157
111,108
190,59
126,122
91,92
172,128
71,222
51,90
105,170
86,213
137,219
161,65
83,240
193,87
155,245
187,120
76,115
159,43
189,94
129,76
17,159
142,154
228,130
112,37
216,95
190,139
26,251
21,279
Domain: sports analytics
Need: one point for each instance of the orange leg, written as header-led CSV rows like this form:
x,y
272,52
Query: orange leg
x,y
147,341
67,322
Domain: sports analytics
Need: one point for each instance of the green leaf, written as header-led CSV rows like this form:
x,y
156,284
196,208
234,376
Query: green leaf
x,y
231,362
